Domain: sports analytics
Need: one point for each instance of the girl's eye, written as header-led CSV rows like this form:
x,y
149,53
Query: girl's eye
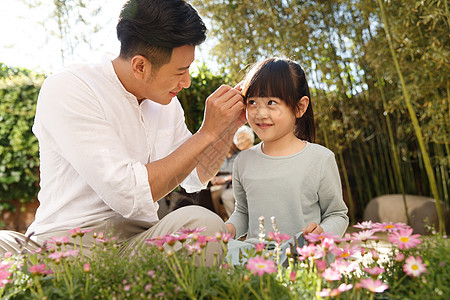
x,y
271,102
249,102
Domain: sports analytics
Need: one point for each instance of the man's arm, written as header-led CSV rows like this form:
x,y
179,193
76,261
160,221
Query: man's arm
x,y
206,149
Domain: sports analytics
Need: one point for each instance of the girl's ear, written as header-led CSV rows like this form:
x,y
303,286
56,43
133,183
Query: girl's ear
x,y
302,107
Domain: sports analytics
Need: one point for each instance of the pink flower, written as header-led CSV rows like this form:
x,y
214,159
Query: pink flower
x,y
293,276
414,266
317,237
364,235
258,265
4,278
55,256
344,266
364,225
389,227
327,243
306,251
321,265
335,292
78,231
331,275
346,252
375,271
404,238
8,254
39,269
193,248
202,239
86,267
59,240
70,252
374,286
191,231
260,247
151,273
226,237
280,238
399,257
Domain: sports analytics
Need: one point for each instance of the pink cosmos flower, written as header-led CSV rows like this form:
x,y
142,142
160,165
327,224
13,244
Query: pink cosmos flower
x,y
78,231
191,231
260,247
364,235
293,276
158,242
335,292
202,240
375,271
86,267
4,278
317,237
404,238
414,266
39,269
226,237
55,256
280,238
59,240
399,257
374,286
193,248
306,251
345,252
364,225
327,243
331,275
258,265
70,252
389,227
344,266
321,265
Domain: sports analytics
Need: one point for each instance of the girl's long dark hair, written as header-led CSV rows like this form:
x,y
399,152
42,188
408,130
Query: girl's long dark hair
x,y
284,79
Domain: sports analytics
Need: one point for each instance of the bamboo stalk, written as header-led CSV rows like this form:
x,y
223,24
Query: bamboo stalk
x,y
415,122
397,171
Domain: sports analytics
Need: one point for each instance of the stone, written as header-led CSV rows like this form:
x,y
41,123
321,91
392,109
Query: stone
x,y
390,208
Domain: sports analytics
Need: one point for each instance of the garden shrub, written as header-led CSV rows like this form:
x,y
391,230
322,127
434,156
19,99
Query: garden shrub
x,y
19,150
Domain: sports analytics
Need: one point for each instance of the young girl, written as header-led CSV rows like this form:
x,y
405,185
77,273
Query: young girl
x,y
286,175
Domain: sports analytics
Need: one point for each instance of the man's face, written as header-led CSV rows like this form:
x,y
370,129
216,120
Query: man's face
x,y
171,77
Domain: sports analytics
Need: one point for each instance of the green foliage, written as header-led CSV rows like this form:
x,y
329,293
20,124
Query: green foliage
x,y
343,48
203,84
19,150
156,271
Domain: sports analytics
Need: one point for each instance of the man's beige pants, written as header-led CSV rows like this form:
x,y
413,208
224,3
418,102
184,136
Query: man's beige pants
x,y
132,234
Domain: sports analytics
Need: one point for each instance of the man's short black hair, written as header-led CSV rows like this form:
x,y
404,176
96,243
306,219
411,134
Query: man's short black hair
x,y
152,28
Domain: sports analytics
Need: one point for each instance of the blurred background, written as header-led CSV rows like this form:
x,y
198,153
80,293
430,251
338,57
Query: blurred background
x,y
379,74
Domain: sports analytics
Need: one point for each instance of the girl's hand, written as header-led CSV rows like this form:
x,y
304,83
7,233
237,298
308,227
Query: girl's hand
x,y
312,228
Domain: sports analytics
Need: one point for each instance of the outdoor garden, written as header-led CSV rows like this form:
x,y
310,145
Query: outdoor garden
x,y
380,88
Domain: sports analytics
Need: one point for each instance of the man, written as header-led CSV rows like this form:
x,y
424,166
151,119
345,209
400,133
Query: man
x,y
113,140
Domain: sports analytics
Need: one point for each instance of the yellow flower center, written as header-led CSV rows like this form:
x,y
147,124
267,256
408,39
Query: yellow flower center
x,y
389,226
404,239
345,254
414,267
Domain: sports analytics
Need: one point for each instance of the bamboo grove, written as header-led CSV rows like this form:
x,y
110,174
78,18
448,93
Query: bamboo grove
x,y
379,72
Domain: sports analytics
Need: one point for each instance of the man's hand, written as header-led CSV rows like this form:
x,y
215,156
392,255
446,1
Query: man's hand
x,y
223,109
312,228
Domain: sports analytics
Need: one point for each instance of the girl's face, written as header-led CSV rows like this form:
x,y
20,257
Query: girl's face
x,y
270,118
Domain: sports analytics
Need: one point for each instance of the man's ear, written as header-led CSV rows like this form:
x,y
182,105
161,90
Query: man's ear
x,y
140,65
302,106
